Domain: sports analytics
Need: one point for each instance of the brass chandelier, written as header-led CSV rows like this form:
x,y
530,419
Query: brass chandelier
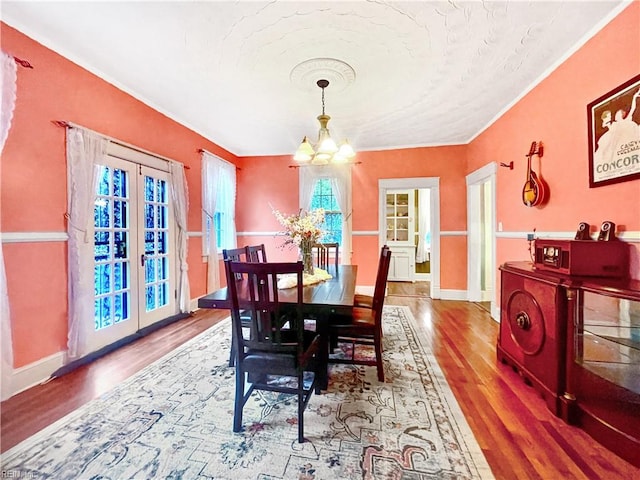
x,y
326,150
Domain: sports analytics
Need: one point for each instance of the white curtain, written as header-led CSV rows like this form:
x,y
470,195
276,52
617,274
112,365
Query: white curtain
x,y
341,186
340,176
8,89
84,150
424,204
180,196
218,194
210,174
308,178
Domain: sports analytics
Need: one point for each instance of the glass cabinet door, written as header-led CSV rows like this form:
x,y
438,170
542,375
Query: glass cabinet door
x,y
608,339
398,216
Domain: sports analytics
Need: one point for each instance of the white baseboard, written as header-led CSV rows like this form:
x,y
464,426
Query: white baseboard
x,y
495,312
193,305
446,294
365,289
35,373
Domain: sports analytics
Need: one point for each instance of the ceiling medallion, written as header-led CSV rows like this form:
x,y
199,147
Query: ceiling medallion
x,y
306,74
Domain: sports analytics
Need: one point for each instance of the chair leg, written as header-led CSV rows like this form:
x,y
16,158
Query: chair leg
x,y
301,406
377,340
232,354
239,401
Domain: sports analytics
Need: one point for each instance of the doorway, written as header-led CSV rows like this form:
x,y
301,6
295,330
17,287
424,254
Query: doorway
x,y
481,231
432,185
423,235
134,250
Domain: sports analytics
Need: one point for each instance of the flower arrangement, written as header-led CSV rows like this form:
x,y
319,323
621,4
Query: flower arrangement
x,y
302,230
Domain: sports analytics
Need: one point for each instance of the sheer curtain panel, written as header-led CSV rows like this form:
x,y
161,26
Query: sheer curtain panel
x,y
180,195
8,89
218,195
84,150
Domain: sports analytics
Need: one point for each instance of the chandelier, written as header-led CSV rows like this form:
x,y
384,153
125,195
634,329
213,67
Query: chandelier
x,y
326,150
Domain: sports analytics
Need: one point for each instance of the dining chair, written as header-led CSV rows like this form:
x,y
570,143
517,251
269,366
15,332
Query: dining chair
x,y
277,344
324,252
256,253
366,301
237,255
364,326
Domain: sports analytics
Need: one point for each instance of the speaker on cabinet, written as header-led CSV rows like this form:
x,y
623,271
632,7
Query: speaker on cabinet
x,y
583,231
607,231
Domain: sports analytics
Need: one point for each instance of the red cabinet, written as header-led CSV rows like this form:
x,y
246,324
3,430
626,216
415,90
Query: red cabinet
x,y
533,326
576,340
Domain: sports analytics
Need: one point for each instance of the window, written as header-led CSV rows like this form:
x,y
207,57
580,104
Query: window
x,y
324,197
222,227
329,187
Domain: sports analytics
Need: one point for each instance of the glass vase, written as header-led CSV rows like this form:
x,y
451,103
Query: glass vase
x,y
306,255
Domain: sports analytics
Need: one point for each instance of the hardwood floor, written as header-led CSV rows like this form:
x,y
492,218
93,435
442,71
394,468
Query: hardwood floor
x,y
520,438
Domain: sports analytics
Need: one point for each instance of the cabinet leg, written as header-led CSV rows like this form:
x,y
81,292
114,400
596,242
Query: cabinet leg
x,y
569,409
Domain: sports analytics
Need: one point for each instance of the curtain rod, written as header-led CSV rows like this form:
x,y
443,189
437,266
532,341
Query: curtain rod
x,y
202,150
66,124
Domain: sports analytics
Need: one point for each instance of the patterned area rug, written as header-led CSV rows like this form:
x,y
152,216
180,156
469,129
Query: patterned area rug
x,y
173,420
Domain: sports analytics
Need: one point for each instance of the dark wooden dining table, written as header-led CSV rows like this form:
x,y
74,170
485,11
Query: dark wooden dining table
x,y
322,301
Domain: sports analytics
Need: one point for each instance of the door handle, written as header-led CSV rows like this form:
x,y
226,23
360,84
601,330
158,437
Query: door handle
x,y
142,258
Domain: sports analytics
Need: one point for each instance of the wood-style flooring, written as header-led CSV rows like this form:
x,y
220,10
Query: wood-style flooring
x,y
520,438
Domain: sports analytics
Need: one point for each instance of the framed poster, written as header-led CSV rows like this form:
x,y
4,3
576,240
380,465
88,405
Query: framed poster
x,y
614,135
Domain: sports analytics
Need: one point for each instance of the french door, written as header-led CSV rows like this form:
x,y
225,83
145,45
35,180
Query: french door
x,y
134,250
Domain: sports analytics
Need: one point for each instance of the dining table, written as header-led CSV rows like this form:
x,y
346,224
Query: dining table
x,y
322,301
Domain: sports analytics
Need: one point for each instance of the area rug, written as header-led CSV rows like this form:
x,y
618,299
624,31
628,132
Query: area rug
x,y
173,420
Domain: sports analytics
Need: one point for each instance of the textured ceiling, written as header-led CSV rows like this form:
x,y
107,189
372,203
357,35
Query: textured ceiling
x,y
425,72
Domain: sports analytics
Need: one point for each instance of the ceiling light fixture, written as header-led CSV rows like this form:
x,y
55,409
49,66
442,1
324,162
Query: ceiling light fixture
x,y
326,151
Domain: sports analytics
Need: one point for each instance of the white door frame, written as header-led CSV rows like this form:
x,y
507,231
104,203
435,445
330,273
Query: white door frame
x,y
433,184
475,181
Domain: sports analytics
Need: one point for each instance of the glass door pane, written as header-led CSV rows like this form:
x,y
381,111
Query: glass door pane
x,y
157,258
114,301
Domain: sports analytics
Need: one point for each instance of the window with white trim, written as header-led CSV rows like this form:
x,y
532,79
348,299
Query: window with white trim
x,y
324,197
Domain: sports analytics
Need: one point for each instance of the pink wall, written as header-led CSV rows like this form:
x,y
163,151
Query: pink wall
x,y
555,112
34,182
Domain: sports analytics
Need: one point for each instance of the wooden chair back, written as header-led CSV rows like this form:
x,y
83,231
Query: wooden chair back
x,y
256,253
381,278
271,323
235,254
325,253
